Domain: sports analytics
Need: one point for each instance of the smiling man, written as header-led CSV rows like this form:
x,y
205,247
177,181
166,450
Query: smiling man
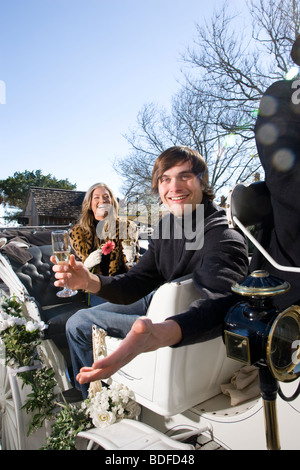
x,y
180,189
180,177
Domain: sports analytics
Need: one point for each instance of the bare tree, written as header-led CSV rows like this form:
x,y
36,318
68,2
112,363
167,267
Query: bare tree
x,y
232,60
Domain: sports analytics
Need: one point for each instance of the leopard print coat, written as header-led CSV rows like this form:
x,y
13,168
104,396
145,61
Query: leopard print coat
x,y
84,244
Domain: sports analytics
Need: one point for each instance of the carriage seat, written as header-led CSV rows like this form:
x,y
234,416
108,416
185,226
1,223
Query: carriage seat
x,y
251,204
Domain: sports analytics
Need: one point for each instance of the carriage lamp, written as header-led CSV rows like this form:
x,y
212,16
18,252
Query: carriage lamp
x,y
256,333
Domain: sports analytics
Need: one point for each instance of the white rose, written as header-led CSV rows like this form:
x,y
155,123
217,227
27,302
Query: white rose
x,y
100,420
3,325
11,321
30,326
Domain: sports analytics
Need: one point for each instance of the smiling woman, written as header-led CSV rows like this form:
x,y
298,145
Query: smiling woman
x,y
101,202
99,224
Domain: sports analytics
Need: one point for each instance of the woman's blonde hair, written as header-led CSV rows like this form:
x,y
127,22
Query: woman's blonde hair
x,y
87,217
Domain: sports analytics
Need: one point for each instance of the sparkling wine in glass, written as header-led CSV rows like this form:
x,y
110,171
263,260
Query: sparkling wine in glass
x,y
61,250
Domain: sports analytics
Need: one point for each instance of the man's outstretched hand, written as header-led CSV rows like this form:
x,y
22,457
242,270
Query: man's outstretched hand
x,y
144,336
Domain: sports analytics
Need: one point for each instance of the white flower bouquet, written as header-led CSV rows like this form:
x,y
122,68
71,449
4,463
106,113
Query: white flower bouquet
x,y
8,321
111,404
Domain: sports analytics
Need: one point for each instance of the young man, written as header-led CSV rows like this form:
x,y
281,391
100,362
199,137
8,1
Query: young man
x,y
217,258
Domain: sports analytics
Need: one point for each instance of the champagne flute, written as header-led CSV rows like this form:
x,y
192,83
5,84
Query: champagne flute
x,y
129,250
61,250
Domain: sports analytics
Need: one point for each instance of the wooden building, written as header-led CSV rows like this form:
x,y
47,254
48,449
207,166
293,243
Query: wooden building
x,y
51,206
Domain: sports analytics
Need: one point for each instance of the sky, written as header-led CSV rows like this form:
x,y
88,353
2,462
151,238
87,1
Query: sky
x,y
75,73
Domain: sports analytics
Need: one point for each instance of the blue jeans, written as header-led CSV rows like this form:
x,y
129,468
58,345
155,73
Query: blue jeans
x,y
93,300
115,319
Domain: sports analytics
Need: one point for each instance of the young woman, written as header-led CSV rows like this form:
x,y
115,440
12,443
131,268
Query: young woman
x,y
99,237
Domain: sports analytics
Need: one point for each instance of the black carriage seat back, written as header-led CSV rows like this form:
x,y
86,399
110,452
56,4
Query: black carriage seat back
x,y
251,205
37,276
